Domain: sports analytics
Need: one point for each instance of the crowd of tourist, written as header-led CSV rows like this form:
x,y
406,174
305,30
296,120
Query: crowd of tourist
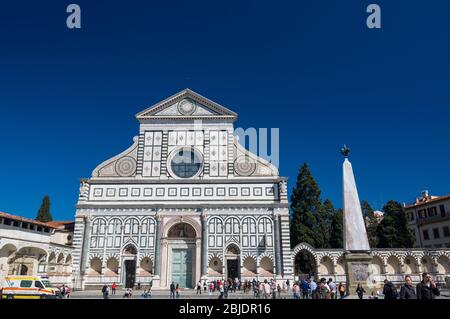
x,y
304,288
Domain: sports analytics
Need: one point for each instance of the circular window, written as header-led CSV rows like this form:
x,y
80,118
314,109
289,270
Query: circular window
x,y
186,163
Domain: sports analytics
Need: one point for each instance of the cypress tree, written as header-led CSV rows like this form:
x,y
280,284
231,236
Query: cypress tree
x,y
305,203
44,214
337,230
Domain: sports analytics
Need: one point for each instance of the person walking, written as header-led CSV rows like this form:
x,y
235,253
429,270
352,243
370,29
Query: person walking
x,y
407,291
389,290
360,291
199,287
427,288
172,291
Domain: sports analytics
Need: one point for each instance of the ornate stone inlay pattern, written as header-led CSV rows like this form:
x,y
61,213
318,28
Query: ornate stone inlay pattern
x,y
187,107
244,166
126,166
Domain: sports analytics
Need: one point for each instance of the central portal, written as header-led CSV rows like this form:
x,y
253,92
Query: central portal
x,y
232,267
130,273
182,267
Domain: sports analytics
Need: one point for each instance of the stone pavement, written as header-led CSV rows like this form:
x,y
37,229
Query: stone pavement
x,y
192,294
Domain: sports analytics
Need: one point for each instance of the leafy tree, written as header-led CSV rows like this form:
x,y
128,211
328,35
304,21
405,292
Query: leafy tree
x,y
44,214
393,231
305,203
371,223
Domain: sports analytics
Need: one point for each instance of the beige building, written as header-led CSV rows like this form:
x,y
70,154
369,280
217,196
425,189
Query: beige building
x,y
30,247
429,218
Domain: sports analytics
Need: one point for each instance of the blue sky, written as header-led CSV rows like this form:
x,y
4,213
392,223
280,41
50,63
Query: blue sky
x,y
311,68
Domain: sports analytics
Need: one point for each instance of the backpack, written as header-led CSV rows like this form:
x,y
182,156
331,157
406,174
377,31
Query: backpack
x,y
104,289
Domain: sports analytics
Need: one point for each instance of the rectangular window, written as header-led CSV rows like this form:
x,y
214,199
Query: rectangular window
x,y
442,209
26,283
7,221
109,242
24,225
436,233
426,236
101,242
432,212
446,230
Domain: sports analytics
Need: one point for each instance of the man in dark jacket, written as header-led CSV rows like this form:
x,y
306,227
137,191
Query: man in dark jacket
x,y
389,290
427,289
407,291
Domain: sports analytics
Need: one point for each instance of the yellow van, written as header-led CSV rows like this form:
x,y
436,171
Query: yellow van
x,y
26,287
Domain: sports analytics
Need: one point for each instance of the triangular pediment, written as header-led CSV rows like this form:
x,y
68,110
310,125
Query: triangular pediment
x,y
186,104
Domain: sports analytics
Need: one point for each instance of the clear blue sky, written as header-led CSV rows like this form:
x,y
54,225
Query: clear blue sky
x,y
311,68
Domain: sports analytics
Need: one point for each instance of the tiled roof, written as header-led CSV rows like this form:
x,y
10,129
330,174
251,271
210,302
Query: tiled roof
x,y
57,224
23,219
428,201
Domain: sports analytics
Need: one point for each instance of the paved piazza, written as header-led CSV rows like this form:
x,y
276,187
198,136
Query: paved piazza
x,y
191,294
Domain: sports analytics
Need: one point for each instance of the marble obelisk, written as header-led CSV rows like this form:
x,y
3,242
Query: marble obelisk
x,y
355,234
356,243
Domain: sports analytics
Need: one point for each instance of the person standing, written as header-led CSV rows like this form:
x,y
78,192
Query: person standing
x,y
113,288
305,289
333,288
407,291
177,290
199,287
360,291
427,288
312,287
341,289
105,291
172,291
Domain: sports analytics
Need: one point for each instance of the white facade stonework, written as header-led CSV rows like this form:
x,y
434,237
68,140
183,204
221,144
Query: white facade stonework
x,y
29,247
185,202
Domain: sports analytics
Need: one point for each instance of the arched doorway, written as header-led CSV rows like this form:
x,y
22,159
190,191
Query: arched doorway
x,y
182,250
129,265
232,258
23,270
305,264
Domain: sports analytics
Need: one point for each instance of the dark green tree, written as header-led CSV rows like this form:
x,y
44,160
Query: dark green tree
x,y
371,222
393,231
44,214
337,230
324,217
305,203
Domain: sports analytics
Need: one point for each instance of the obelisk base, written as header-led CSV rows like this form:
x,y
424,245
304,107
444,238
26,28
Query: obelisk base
x,y
357,270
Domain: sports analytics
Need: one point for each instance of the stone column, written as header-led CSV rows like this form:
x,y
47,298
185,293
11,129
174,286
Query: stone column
x,y
158,246
276,226
204,258
85,245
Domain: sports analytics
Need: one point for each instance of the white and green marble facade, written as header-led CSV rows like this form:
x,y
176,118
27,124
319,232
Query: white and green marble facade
x,y
236,203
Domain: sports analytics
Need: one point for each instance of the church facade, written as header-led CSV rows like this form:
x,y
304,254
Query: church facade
x,y
186,202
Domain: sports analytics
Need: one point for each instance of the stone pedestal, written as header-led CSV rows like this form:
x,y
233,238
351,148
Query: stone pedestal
x,y
156,282
357,270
